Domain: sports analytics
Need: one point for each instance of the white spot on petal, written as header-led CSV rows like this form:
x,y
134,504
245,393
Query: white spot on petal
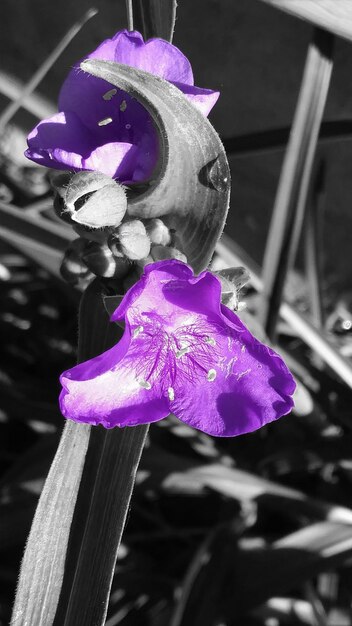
x,y
210,341
211,375
105,121
171,393
243,349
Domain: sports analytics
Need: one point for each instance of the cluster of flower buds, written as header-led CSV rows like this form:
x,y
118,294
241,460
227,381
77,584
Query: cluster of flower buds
x,y
111,243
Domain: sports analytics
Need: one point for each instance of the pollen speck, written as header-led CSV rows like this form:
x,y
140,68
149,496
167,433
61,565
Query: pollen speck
x,y
128,126
110,94
210,341
211,375
137,331
123,106
105,121
144,384
171,393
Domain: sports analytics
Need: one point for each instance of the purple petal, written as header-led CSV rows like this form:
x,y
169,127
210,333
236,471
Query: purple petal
x,y
63,142
246,385
155,56
115,159
182,352
166,287
103,128
203,99
84,94
108,390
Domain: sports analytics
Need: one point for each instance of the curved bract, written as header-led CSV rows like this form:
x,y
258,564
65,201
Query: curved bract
x,y
191,182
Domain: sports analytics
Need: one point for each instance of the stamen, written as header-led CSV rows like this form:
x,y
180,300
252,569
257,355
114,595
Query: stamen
x,y
123,106
110,94
183,351
171,393
105,121
211,375
137,331
144,384
241,374
210,341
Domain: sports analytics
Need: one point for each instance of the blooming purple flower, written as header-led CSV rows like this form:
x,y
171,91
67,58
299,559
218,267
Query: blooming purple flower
x,y
103,128
182,352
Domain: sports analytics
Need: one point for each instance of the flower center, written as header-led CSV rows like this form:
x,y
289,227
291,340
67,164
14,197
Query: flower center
x,y
170,356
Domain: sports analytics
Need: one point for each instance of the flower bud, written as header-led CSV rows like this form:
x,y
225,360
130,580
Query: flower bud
x,y
134,241
114,244
158,232
143,262
100,260
232,280
73,269
59,181
160,253
94,200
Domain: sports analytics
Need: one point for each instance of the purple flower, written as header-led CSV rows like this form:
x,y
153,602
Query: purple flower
x,y
103,128
182,352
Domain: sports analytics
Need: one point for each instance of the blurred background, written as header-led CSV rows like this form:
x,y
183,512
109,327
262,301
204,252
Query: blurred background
x,y
255,530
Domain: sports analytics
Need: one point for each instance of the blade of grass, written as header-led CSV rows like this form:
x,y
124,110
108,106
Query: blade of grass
x,y
12,88
295,177
312,248
333,16
41,240
38,76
